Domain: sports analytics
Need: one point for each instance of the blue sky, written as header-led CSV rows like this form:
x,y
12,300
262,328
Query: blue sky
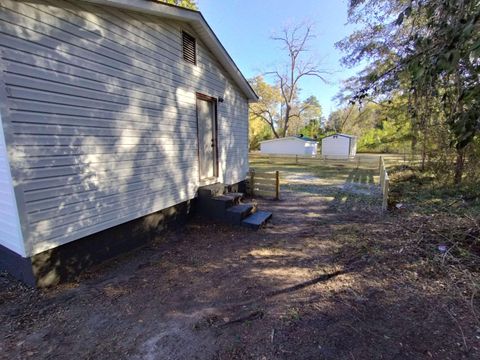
x,y
245,27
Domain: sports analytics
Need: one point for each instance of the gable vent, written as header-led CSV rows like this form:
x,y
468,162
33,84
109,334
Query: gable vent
x,y
189,48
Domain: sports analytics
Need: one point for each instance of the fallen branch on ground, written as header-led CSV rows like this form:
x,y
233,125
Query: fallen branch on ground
x,y
252,316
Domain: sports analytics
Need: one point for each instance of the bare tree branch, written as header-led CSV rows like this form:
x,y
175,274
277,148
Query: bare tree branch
x,y
295,41
281,102
266,116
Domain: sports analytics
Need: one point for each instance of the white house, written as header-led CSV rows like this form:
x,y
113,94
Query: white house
x,y
291,145
339,146
112,114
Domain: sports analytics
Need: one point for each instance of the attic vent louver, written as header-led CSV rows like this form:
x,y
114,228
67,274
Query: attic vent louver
x,y
189,48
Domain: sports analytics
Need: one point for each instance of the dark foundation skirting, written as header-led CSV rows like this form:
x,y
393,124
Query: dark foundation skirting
x,y
65,262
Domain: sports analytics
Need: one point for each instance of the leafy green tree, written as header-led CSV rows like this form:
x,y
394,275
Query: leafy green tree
x,y
312,110
268,107
380,126
428,50
189,4
338,118
258,131
308,118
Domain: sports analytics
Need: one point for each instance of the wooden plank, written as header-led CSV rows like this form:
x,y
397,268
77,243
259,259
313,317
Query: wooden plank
x,y
265,180
259,172
277,185
309,158
264,174
265,188
385,195
262,184
281,159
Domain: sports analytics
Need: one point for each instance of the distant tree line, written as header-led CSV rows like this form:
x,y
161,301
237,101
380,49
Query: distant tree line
x,y
421,86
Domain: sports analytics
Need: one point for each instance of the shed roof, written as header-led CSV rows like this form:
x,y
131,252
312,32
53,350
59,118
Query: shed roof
x,y
305,138
291,138
198,23
339,134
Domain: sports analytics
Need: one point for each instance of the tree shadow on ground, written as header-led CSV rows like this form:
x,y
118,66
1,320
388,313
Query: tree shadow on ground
x,y
305,287
316,283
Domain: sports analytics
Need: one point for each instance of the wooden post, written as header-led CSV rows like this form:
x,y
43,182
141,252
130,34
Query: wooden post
x,y
277,185
252,182
385,190
382,171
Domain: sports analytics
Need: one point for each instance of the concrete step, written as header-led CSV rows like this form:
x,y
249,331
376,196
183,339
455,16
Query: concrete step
x,y
236,213
209,191
226,200
216,207
257,219
215,204
235,196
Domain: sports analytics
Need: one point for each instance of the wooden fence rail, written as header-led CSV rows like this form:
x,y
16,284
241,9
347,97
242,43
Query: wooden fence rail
x,y
384,183
264,183
364,160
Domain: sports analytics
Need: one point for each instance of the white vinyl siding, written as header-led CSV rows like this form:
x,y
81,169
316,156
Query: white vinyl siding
x,y
103,111
10,229
338,146
289,146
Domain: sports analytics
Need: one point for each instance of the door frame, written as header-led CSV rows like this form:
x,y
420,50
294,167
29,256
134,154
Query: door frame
x,y
214,101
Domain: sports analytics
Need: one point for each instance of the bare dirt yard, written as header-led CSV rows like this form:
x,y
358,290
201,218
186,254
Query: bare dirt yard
x,y
330,277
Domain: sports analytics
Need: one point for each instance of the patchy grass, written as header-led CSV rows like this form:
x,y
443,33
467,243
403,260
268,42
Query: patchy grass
x,y
423,193
440,225
332,172
428,245
346,185
327,279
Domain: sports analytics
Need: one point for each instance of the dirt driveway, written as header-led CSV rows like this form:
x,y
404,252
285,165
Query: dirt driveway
x,y
323,281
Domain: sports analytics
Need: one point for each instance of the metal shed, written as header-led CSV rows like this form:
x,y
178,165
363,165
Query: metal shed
x,y
292,145
339,146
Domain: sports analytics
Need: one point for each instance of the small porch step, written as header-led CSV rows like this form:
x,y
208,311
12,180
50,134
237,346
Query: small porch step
x,y
213,190
216,203
235,198
237,213
257,219
216,207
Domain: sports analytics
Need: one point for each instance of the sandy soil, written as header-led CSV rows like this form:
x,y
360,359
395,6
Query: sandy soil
x,y
325,279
